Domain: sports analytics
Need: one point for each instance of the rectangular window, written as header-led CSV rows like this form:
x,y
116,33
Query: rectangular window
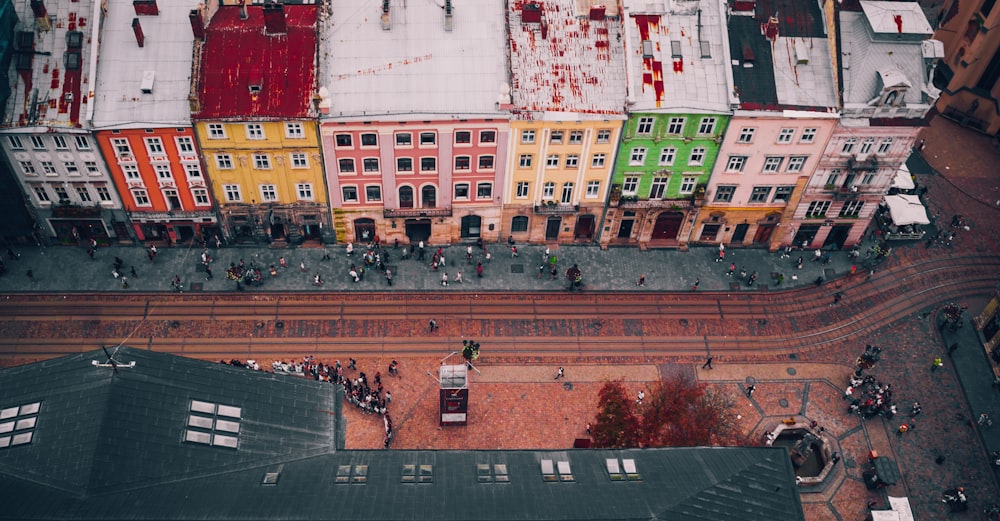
x,y
350,194
463,137
232,193
140,196
556,137
82,143
884,146
638,156
15,142
60,142
572,160
305,191
866,145
772,164
687,184
429,164
604,136
746,135
428,139
369,139
37,142
193,170
373,193
548,190
154,145
61,193
817,209
630,186
404,139
268,193
868,179
41,193
224,161
593,189
185,145
760,194
849,144
486,163
294,131
404,164
852,208
84,194
200,196
163,171
487,136
484,191
736,163
343,140
92,167
103,193
676,126
346,166
552,161
462,191
121,147
519,223
808,135
463,163
527,137
131,172
796,163
707,126
28,167
598,161
658,187
48,167
522,190
576,137
262,161
782,194
216,131
567,193
833,178
71,168
299,160
645,126
370,164
724,193
524,161
255,131
785,135
697,156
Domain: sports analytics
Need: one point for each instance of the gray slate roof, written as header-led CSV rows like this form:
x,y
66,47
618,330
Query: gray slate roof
x,y
110,447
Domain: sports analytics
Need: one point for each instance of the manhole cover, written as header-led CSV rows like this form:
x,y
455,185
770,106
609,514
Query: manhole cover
x,y
568,386
517,268
783,402
791,371
793,356
751,380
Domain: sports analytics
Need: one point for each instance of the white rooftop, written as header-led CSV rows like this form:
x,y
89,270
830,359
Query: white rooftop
x,y
865,60
568,63
897,17
416,66
658,79
164,61
803,72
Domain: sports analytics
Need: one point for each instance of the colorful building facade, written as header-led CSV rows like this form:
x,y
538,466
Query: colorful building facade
x,y
968,74
255,120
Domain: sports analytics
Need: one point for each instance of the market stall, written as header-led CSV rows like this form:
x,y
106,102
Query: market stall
x,y
906,215
899,511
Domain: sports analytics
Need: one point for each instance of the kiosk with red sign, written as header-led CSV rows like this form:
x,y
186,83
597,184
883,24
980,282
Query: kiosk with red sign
x,y
454,394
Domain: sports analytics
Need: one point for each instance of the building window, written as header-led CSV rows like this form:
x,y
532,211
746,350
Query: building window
x,y
428,139
121,147
41,193
552,161
658,187
522,190
527,137
404,139
92,167
487,136
676,126
884,146
200,196
154,145
808,135
192,170
350,194
604,136
796,163
429,164
103,193
163,171
486,163
575,137
567,193
232,193
707,126
369,139
28,167
463,163
140,196
216,131
71,168
772,164
255,131
305,191
131,172
262,161
213,424
519,223
556,137
463,137
484,191
224,161
524,161
593,189
572,160
760,194
370,164
697,156
866,146
833,178
782,194
785,135
848,147
598,161
868,179
268,193
345,166
852,208
404,164
373,193
48,167
631,185
84,194
817,209
343,140
60,142
15,142
185,145
462,191
746,135
61,193
687,184
299,160
638,156
724,193
82,143
294,131
645,126
37,142
667,156
548,190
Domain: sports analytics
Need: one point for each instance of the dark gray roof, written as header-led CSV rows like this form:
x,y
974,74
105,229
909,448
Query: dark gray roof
x,y
111,447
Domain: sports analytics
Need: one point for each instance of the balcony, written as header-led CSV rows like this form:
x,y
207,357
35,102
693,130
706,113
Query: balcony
x,y
862,163
631,203
553,208
416,212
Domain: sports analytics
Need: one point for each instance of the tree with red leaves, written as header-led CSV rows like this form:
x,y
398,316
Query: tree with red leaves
x,y
677,412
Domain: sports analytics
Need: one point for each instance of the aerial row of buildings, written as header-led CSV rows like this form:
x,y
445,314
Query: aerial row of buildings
x,y
658,124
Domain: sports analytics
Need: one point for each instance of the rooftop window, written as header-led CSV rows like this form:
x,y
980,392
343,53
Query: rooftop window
x,y
549,471
411,474
616,467
213,424
496,473
357,474
17,424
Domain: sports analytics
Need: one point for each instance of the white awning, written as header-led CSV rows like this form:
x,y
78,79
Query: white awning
x,y
903,181
900,511
906,209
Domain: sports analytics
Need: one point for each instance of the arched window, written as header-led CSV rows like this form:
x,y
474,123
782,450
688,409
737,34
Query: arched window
x,y
519,223
428,197
406,197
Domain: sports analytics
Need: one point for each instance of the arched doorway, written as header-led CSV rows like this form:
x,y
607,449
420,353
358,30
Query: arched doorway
x,y
471,225
667,226
584,227
364,230
428,197
418,229
406,197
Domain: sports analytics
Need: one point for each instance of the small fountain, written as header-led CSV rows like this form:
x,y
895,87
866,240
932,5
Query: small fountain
x,y
808,450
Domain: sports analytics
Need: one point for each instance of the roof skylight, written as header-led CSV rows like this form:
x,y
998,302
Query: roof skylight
x,y
213,424
17,424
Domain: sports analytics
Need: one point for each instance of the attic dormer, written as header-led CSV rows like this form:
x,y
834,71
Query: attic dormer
x,y
893,87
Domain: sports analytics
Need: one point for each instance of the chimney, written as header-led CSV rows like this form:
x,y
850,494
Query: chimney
x,y
145,7
38,8
386,21
448,15
137,28
243,10
197,25
274,19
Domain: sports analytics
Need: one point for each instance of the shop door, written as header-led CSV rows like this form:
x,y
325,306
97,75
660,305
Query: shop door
x,y
804,237
584,227
625,228
471,226
838,236
739,234
763,235
364,230
418,229
668,225
552,228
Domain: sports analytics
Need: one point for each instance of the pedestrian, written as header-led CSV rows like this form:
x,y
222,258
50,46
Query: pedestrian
x,y
388,397
722,254
817,255
124,282
835,458
513,252
317,280
433,325
350,249
642,280
541,269
133,273
458,278
854,269
218,242
444,279
798,262
489,256
588,429
750,389
326,254
479,270
554,271
936,364
208,272
441,262
468,255
115,273
282,262
752,279
351,363
836,298
302,267
31,275
353,273
984,420
90,252
916,409
420,250
708,363
902,429
732,269
640,397
388,276
560,374
394,368
743,273
694,286
274,272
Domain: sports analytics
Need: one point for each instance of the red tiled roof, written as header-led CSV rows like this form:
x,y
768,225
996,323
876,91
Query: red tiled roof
x,y
237,54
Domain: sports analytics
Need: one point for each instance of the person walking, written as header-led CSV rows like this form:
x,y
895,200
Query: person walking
x,y
732,269
458,278
708,362
444,279
124,282
479,270
694,287
208,273
433,325
388,276
750,389
420,250
560,374
317,280
282,262
513,252
642,280
302,267
133,273
836,298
